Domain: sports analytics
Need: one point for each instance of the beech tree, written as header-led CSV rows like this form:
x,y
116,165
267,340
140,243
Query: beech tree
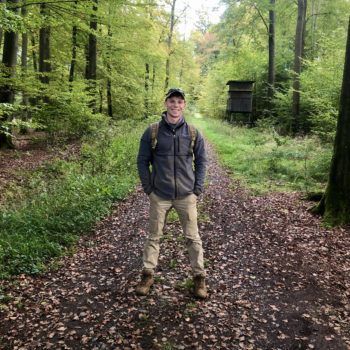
x,y
7,93
44,46
91,57
335,204
1,31
74,49
298,54
169,44
271,70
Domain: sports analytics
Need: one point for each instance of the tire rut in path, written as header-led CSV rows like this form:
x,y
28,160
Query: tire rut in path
x,y
273,275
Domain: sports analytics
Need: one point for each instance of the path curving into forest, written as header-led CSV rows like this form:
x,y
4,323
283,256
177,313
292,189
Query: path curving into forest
x,y
277,280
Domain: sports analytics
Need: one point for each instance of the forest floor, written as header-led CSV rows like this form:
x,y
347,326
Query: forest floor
x,y
277,280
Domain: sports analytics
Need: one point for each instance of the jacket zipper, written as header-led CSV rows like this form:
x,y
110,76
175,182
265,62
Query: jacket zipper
x,y
174,133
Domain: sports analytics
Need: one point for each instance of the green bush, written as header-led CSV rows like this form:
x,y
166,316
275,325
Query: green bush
x,y
64,199
67,115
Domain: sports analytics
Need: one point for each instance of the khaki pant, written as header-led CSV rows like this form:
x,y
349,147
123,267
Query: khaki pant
x,y
187,211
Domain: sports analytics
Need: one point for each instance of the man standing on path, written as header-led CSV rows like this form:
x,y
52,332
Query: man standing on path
x,y
172,147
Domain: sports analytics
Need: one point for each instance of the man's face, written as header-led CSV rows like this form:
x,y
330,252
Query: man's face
x,y
175,105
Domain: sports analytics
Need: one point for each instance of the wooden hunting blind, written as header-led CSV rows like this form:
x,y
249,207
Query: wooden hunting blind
x,y
240,96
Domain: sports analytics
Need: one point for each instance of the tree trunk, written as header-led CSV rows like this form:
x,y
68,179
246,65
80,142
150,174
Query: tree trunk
x,y
169,42
335,204
298,50
74,51
271,73
24,65
35,60
74,54
304,31
91,63
1,31
153,78
147,90
7,93
44,48
315,9
109,70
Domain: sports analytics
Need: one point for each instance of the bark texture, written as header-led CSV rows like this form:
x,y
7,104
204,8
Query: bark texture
x,y
1,31
298,52
91,58
74,49
7,93
336,201
24,66
44,48
271,73
147,83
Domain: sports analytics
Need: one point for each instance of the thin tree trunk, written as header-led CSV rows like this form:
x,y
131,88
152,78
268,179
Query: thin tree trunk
x,y
101,100
271,73
24,65
169,43
44,48
109,70
35,59
298,50
181,71
74,51
304,31
146,90
316,5
7,93
153,78
1,31
109,97
74,54
91,63
336,202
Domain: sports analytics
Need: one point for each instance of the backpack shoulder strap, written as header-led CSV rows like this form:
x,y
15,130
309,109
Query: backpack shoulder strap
x,y
193,132
154,134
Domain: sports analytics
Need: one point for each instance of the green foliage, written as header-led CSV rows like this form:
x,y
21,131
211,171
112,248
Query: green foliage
x,y
68,115
10,20
64,199
241,53
265,161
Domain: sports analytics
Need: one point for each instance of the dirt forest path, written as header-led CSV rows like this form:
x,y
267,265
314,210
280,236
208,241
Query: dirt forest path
x,y
277,280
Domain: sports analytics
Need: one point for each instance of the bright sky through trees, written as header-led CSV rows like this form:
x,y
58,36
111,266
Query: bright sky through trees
x,y
188,18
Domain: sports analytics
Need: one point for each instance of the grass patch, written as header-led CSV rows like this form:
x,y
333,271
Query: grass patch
x,y
66,198
173,264
172,216
264,161
186,284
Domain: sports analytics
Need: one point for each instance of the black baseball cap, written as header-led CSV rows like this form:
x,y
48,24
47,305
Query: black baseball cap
x,y
175,92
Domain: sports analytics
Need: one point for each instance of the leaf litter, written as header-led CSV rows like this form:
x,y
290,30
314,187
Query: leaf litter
x,y
277,280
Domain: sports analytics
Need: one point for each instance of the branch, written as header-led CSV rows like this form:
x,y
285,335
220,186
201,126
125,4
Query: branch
x,y
317,14
44,3
182,12
262,17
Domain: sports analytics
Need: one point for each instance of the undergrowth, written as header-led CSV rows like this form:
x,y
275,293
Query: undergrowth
x,y
264,161
65,198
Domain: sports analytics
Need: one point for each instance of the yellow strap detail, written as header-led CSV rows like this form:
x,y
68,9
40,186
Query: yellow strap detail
x,y
193,132
154,134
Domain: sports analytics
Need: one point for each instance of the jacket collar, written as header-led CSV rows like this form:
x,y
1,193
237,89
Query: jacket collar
x,y
165,121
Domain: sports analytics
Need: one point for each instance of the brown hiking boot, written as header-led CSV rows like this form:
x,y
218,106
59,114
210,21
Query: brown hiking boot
x,y
146,281
200,289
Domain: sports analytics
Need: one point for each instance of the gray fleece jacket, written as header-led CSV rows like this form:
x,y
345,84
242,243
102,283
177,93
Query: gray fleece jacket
x,y
176,171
